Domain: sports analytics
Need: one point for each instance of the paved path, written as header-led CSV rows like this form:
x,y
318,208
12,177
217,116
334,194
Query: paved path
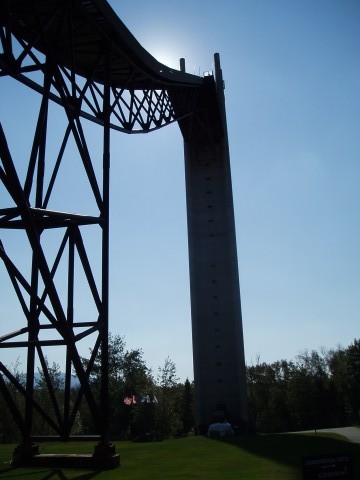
x,y
351,433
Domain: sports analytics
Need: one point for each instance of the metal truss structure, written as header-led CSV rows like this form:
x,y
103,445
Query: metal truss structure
x,y
78,56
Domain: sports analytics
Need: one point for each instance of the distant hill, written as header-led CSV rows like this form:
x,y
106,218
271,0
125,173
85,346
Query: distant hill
x,y
37,376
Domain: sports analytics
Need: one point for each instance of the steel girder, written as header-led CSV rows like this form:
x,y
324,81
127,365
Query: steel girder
x,y
73,36
49,320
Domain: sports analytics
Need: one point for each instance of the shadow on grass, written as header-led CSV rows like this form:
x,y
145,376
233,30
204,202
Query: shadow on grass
x,y
290,448
53,474
276,456
58,474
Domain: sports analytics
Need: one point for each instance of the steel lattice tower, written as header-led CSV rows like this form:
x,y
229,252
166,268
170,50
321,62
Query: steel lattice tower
x,y
79,56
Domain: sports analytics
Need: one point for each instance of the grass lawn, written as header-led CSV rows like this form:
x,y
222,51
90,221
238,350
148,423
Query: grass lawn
x,y
275,457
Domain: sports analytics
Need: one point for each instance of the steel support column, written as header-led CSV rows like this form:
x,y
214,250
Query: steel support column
x,y
50,319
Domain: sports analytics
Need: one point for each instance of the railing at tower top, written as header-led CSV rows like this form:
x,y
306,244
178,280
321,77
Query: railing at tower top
x,y
145,94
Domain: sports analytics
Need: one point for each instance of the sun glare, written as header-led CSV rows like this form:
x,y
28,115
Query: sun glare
x,y
166,56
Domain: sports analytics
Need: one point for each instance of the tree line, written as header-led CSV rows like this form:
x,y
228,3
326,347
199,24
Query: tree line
x,y
318,389
139,400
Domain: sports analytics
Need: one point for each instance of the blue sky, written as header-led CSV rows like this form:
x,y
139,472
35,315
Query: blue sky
x,y
292,72
292,76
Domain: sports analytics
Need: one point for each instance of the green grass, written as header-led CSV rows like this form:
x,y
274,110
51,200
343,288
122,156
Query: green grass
x,y
270,457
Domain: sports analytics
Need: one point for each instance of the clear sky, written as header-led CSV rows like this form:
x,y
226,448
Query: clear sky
x,y
292,76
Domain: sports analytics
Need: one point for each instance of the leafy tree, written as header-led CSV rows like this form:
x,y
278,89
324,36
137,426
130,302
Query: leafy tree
x,y
352,388
49,397
337,364
128,376
318,390
311,381
187,407
9,432
260,380
168,420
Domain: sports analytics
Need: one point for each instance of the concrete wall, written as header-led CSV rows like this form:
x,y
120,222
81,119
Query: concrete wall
x,y
219,364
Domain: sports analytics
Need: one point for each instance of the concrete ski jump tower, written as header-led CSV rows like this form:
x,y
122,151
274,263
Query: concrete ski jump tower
x,y
218,347
80,57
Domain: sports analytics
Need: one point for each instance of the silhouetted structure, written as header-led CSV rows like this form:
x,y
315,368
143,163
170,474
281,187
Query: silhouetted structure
x,y
80,56
218,347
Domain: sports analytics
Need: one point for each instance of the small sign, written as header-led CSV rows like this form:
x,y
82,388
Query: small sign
x,y
328,466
